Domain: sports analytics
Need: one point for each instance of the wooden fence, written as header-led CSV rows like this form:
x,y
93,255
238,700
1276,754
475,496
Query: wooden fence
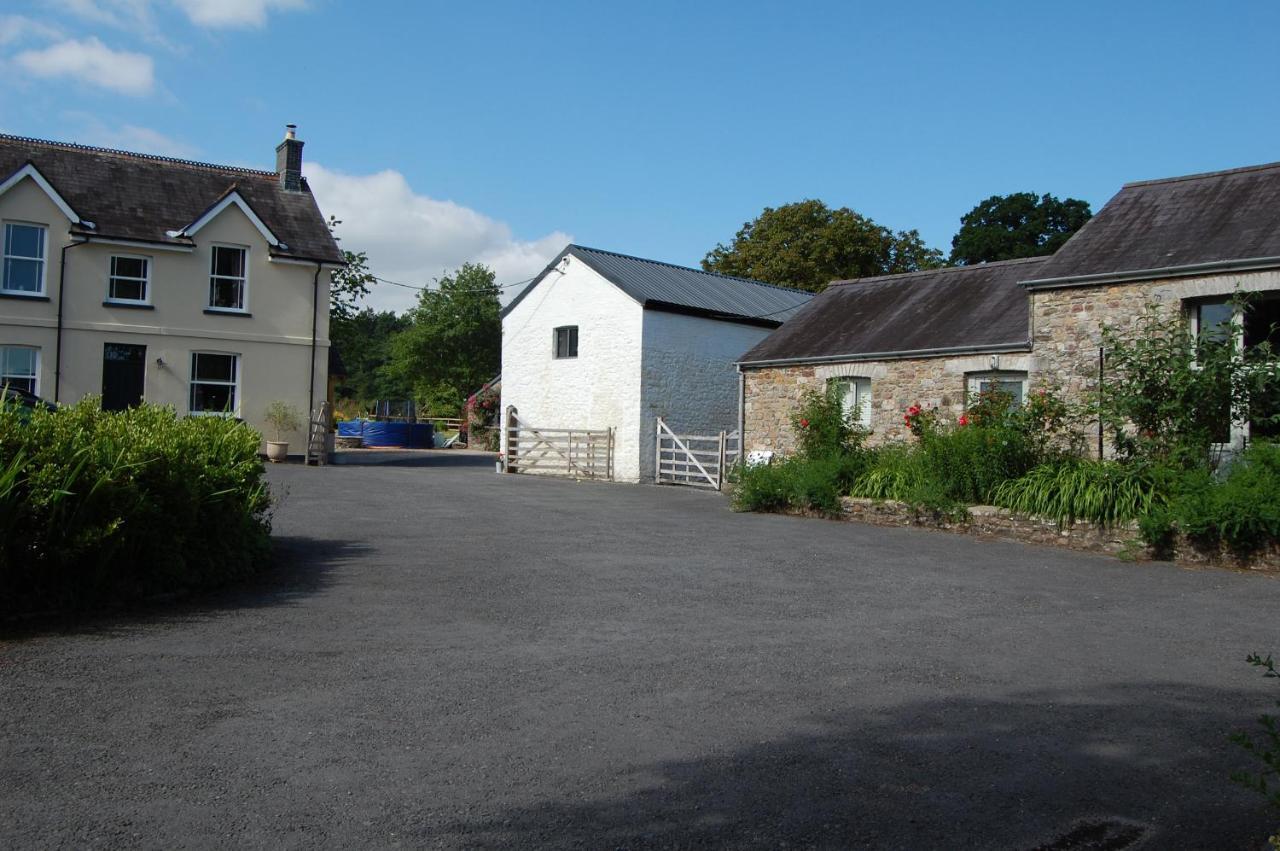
x,y
697,460
577,453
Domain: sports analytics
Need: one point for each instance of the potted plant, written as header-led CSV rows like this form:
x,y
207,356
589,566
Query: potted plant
x,y
282,418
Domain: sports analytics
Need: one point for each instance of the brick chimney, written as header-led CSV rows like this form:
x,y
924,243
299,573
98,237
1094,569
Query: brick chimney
x,y
289,160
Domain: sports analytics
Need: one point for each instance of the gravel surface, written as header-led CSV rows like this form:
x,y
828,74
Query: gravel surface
x,y
446,657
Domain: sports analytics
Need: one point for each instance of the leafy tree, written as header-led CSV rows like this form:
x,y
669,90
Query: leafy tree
x,y
364,342
807,245
1006,227
453,343
350,284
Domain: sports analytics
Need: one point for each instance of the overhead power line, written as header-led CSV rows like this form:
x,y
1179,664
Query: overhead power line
x,y
430,289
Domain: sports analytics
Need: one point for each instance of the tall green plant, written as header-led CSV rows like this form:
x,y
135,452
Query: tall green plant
x,y
1099,492
823,428
1264,747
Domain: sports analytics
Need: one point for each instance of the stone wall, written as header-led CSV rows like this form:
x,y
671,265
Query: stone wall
x,y
773,393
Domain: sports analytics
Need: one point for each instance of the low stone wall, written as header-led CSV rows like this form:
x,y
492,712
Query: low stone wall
x,y
988,521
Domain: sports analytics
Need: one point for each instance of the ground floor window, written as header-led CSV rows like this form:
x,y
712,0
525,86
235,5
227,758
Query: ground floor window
x,y
1013,383
1247,322
855,399
20,368
215,379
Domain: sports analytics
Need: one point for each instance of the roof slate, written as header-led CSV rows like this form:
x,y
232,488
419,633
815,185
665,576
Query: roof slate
x,y
663,286
965,307
142,197
1218,217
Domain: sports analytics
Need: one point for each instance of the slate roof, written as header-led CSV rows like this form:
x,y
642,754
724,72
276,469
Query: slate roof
x,y
1200,221
141,197
679,289
976,308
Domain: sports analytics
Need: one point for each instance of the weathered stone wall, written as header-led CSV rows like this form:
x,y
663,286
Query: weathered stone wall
x,y
773,393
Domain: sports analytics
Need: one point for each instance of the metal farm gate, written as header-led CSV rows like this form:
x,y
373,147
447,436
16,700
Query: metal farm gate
x,y
697,460
578,453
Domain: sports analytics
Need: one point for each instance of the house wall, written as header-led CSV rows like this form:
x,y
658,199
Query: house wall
x,y
598,389
774,393
273,341
689,378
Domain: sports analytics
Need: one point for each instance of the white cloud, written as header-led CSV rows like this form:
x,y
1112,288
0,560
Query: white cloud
x,y
414,239
14,28
128,137
90,61
234,13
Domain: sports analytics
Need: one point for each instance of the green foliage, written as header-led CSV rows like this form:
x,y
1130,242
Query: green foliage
x,y
1168,396
1102,492
350,284
822,427
453,343
364,342
1240,510
807,245
99,507
1265,748
282,417
809,484
1006,227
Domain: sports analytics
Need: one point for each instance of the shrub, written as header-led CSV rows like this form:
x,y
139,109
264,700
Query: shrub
x,y
822,428
1265,749
1101,492
812,484
102,507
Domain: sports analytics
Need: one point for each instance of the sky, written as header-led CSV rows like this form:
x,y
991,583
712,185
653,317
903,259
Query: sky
x,y
441,133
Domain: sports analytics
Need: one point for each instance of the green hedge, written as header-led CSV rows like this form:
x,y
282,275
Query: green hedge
x,y
102,507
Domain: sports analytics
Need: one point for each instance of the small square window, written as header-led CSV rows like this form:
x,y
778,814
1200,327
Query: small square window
x,y
566,341
20,368
23,270
227,278
129,277
1012,384
855,399
213,382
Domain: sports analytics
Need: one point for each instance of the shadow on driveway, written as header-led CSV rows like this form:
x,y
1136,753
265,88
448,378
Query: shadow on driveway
x,y
442,458
1107,769
302,567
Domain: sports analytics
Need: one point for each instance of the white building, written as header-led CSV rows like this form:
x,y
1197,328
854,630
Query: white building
x,y
144,278
602,340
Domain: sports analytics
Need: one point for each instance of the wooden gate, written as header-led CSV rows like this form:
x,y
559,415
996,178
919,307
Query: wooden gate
x,y
698,460
578,453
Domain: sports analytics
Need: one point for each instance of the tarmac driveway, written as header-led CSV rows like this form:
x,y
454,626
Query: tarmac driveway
x,y
452,658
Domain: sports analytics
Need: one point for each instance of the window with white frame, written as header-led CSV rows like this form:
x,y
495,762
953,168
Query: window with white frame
x,y
20,368
24,250
130,279
566,342
228,278
999,381
1246,323
855,399
215,379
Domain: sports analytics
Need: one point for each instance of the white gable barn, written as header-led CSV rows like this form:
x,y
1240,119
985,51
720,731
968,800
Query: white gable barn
x,y
602,340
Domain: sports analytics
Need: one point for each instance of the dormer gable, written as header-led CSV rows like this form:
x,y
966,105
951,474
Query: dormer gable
x,y
231,198
29,170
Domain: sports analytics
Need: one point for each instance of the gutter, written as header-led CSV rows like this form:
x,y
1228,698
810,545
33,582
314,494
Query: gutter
x,y
995,348
62,287
1250,264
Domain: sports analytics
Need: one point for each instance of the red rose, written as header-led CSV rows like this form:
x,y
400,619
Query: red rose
x,y
964,420
804,424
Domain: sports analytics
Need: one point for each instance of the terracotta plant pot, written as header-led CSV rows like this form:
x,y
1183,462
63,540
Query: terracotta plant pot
x,y
277,451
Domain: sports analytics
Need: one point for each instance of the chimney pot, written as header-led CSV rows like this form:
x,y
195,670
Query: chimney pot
x,y
289,160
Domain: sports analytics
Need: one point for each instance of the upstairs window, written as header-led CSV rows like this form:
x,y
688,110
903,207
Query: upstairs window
x,y
566,341
20,368
228,278
855,399
24,247
214,379
130,279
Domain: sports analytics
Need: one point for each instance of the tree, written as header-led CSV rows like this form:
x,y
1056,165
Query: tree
x,y
364,341
453,343
1006,227
349,284
807,245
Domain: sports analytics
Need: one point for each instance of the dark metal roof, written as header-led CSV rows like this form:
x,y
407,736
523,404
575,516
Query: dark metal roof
x,y
678,289
1154,226
964,308
143,197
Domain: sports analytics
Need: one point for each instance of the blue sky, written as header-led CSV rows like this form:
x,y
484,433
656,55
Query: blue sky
x,y
446,132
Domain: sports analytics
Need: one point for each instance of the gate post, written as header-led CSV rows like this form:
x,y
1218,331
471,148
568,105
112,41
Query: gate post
x,y
720,464
657,452
510,426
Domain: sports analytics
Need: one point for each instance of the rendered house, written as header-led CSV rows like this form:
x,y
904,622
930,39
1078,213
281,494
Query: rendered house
x,y
1185,245
144,278
603,340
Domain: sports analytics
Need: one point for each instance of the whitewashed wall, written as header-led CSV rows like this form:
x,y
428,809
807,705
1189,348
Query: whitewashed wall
x,y
598,389
689,378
